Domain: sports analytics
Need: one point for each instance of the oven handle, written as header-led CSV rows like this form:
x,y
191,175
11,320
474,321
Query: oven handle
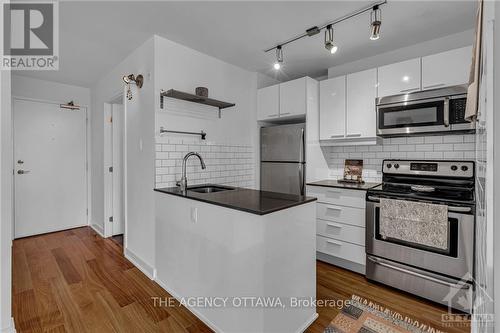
x,y
423,276
453,209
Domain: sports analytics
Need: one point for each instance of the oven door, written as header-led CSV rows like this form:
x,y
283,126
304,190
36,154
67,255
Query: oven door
x,y
431,115
457,262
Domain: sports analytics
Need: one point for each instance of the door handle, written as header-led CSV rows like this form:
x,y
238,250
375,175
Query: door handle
x,y
22,172
434,86
353,135
446,116
337,136
20,161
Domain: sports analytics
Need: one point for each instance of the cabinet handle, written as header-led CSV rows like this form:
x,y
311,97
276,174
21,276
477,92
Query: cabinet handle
x,y
337,136
272,115
434,85
333,192
334,208
334,225
284,113
334,243
408,90
353,135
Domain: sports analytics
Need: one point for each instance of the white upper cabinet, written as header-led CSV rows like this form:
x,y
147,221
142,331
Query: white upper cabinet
x,y
293,98
268,102
398,78
361,94
332,103
447,68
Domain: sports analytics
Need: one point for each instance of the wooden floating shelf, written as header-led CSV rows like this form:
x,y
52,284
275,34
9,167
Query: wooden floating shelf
x,y
172,93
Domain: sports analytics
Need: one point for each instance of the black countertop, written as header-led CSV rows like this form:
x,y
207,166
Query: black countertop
x,y
244,199
350,186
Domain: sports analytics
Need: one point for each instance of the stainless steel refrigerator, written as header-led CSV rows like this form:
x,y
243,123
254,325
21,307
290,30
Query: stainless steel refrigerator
x,y
283,159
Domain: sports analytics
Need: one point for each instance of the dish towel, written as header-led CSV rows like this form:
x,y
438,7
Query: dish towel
x,y
472,103
415,222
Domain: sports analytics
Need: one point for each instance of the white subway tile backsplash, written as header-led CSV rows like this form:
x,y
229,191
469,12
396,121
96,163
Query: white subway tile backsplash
x,y
456,138
415,140
415,147
226,164
424,147
433,139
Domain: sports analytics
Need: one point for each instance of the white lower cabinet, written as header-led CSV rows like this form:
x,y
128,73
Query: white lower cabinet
x,y
336,230
340,226
340,249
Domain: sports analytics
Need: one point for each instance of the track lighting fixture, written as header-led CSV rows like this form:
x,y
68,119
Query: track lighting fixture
x,y
376,22
279,57
329,43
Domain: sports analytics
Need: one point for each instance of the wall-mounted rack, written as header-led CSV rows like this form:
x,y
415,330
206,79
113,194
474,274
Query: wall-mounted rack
x,y
201,133
172,93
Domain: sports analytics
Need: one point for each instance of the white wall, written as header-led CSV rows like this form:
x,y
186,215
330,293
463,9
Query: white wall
x,y
139,143
49,91
181,68
5,202
449,42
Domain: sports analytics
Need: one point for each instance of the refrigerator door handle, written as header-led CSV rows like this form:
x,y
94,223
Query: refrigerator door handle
x,y
302,146
301,179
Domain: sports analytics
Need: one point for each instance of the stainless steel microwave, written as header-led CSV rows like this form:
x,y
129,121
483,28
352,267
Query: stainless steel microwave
x,y
435,111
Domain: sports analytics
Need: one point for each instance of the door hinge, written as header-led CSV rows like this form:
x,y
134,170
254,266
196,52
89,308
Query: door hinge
x,y
111,219
110,169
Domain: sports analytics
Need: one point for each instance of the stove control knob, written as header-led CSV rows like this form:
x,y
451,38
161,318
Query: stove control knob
x,y
389,165
465,168
454,167
396,166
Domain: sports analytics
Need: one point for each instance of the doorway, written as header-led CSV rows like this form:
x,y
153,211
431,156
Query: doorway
x,y
114,151
50,167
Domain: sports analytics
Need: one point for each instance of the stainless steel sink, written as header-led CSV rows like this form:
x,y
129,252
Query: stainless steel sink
x,y
209,188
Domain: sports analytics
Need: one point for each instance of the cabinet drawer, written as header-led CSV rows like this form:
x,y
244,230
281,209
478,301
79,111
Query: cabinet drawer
x,y
340,231
344,250
342,214
338,196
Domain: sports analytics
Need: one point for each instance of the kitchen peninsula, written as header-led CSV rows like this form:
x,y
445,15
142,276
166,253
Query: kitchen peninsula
x,y
239,244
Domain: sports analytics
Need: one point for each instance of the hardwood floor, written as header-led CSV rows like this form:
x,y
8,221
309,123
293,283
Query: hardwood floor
x,y
76,281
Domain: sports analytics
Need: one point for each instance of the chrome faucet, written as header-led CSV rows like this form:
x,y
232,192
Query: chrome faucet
x,y
183,182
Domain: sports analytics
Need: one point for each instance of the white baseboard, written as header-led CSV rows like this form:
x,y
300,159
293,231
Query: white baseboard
x,y
143,266
201,317
308,323
9,329
97,228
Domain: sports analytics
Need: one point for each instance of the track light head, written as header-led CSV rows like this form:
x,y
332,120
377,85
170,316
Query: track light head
x,y
329,43
279,58
375,22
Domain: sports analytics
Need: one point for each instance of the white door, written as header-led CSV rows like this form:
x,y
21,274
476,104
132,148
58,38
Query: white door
x,y
50,177
446,68
293,101
398,78
361,94
118,175
332,108
268,102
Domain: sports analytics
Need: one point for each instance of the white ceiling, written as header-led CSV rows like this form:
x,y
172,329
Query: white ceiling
x,y
95,36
